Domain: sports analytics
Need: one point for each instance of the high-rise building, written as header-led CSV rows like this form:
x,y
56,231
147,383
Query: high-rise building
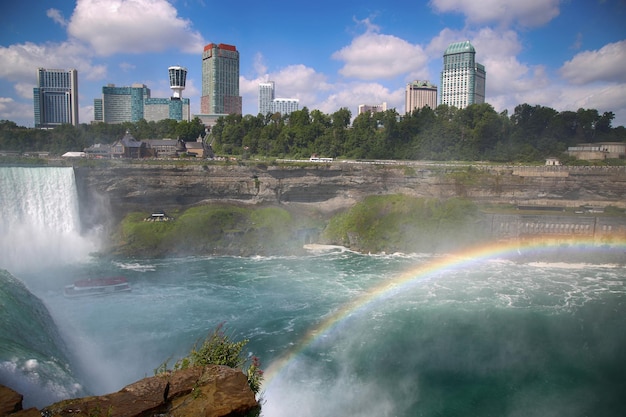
x,y
55,98
131,104
462,79
122,104
266,97
220,80
368,108
420,94
285,106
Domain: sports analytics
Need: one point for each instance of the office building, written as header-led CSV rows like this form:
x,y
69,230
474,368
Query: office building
x,y
420,94
266,97
220,80
462,79
366,108
55,98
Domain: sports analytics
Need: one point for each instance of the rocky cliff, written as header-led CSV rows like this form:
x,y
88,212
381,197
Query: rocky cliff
x,y
120,187
211,391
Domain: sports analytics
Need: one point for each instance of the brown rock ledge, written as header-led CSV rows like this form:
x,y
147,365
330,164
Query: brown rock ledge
x,y
211,391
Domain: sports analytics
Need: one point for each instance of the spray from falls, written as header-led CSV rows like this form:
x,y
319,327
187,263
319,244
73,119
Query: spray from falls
x,y
40,224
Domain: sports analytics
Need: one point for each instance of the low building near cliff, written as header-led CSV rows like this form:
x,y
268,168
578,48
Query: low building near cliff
x,y
128,147
598,151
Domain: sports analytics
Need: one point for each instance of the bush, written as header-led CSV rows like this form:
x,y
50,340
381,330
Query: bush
x,y
219,349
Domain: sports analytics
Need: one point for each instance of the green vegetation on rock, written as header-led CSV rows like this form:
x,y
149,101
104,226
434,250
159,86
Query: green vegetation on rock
x,y
211,229
408,224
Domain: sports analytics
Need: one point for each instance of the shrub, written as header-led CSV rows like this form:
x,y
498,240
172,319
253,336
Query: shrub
x,y
218,349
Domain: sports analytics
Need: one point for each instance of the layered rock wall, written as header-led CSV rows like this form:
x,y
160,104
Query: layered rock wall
x,y
123,187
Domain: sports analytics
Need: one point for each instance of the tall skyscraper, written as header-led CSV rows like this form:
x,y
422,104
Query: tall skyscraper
x,y
220,80
420,94
266,97
55,98
462,79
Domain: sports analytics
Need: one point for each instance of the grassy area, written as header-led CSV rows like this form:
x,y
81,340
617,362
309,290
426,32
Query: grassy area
x,y
212,229
407,224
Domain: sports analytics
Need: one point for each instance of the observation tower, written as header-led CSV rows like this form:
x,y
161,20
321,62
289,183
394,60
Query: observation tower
x,y
178,78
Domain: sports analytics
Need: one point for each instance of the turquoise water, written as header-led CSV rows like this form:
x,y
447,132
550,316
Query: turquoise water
x,y
482,338
500,339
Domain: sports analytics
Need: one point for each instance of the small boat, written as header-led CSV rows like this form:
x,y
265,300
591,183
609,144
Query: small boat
x,y
97,286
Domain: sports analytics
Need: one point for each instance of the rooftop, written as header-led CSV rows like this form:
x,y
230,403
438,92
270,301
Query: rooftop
x,y
459,47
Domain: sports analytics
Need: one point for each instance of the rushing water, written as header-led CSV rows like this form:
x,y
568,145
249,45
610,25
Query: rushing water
x,y
346,334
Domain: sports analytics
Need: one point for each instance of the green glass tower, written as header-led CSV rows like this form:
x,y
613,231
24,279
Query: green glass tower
x,y
462,79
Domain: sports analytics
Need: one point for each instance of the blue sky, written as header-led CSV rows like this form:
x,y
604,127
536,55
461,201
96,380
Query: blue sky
x,y
564,54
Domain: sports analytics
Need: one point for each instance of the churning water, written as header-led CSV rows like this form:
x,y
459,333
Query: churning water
x,y
346,334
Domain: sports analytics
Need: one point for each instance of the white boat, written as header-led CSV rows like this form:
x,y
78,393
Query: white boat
x,y
97,286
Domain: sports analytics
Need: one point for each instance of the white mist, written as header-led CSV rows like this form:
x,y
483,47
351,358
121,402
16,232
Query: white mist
x,y
40,223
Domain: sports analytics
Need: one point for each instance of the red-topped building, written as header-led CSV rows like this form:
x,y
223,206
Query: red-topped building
x,y
220,80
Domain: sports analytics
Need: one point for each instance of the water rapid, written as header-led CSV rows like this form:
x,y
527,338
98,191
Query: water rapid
x,y
341,333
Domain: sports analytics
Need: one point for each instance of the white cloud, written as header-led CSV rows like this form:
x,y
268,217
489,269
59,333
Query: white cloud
x,y
606,64
57,16
132,26
16,111
528,13
377,56
352,95
20,61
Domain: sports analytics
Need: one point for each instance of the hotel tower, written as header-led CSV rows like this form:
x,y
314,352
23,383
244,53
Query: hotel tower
x,y
462,78
55,98
220,80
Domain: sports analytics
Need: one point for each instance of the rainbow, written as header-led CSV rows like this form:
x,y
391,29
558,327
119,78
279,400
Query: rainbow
x,y
413,276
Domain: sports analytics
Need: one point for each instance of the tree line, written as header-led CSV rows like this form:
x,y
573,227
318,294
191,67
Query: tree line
x,y
66,138
476,132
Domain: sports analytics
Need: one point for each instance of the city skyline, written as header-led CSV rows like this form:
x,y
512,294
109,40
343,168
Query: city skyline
x,y
560,54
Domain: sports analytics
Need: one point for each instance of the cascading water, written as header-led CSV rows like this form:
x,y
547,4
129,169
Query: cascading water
x,y
40,223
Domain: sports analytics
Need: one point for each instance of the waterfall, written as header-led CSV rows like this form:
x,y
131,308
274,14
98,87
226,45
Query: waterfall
x,y
40,224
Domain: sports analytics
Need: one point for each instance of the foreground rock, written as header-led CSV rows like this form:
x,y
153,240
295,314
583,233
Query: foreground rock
x,y
211,391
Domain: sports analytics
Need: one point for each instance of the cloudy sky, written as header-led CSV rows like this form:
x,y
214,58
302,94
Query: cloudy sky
x,y
564,54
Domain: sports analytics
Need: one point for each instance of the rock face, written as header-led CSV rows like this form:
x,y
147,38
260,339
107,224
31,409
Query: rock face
x,y
211,391
122,187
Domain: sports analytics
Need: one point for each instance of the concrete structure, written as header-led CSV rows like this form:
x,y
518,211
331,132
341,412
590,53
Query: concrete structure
x,y
598,150
365,108
220,80
462,79
55,99
266,97
419,94
178,80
